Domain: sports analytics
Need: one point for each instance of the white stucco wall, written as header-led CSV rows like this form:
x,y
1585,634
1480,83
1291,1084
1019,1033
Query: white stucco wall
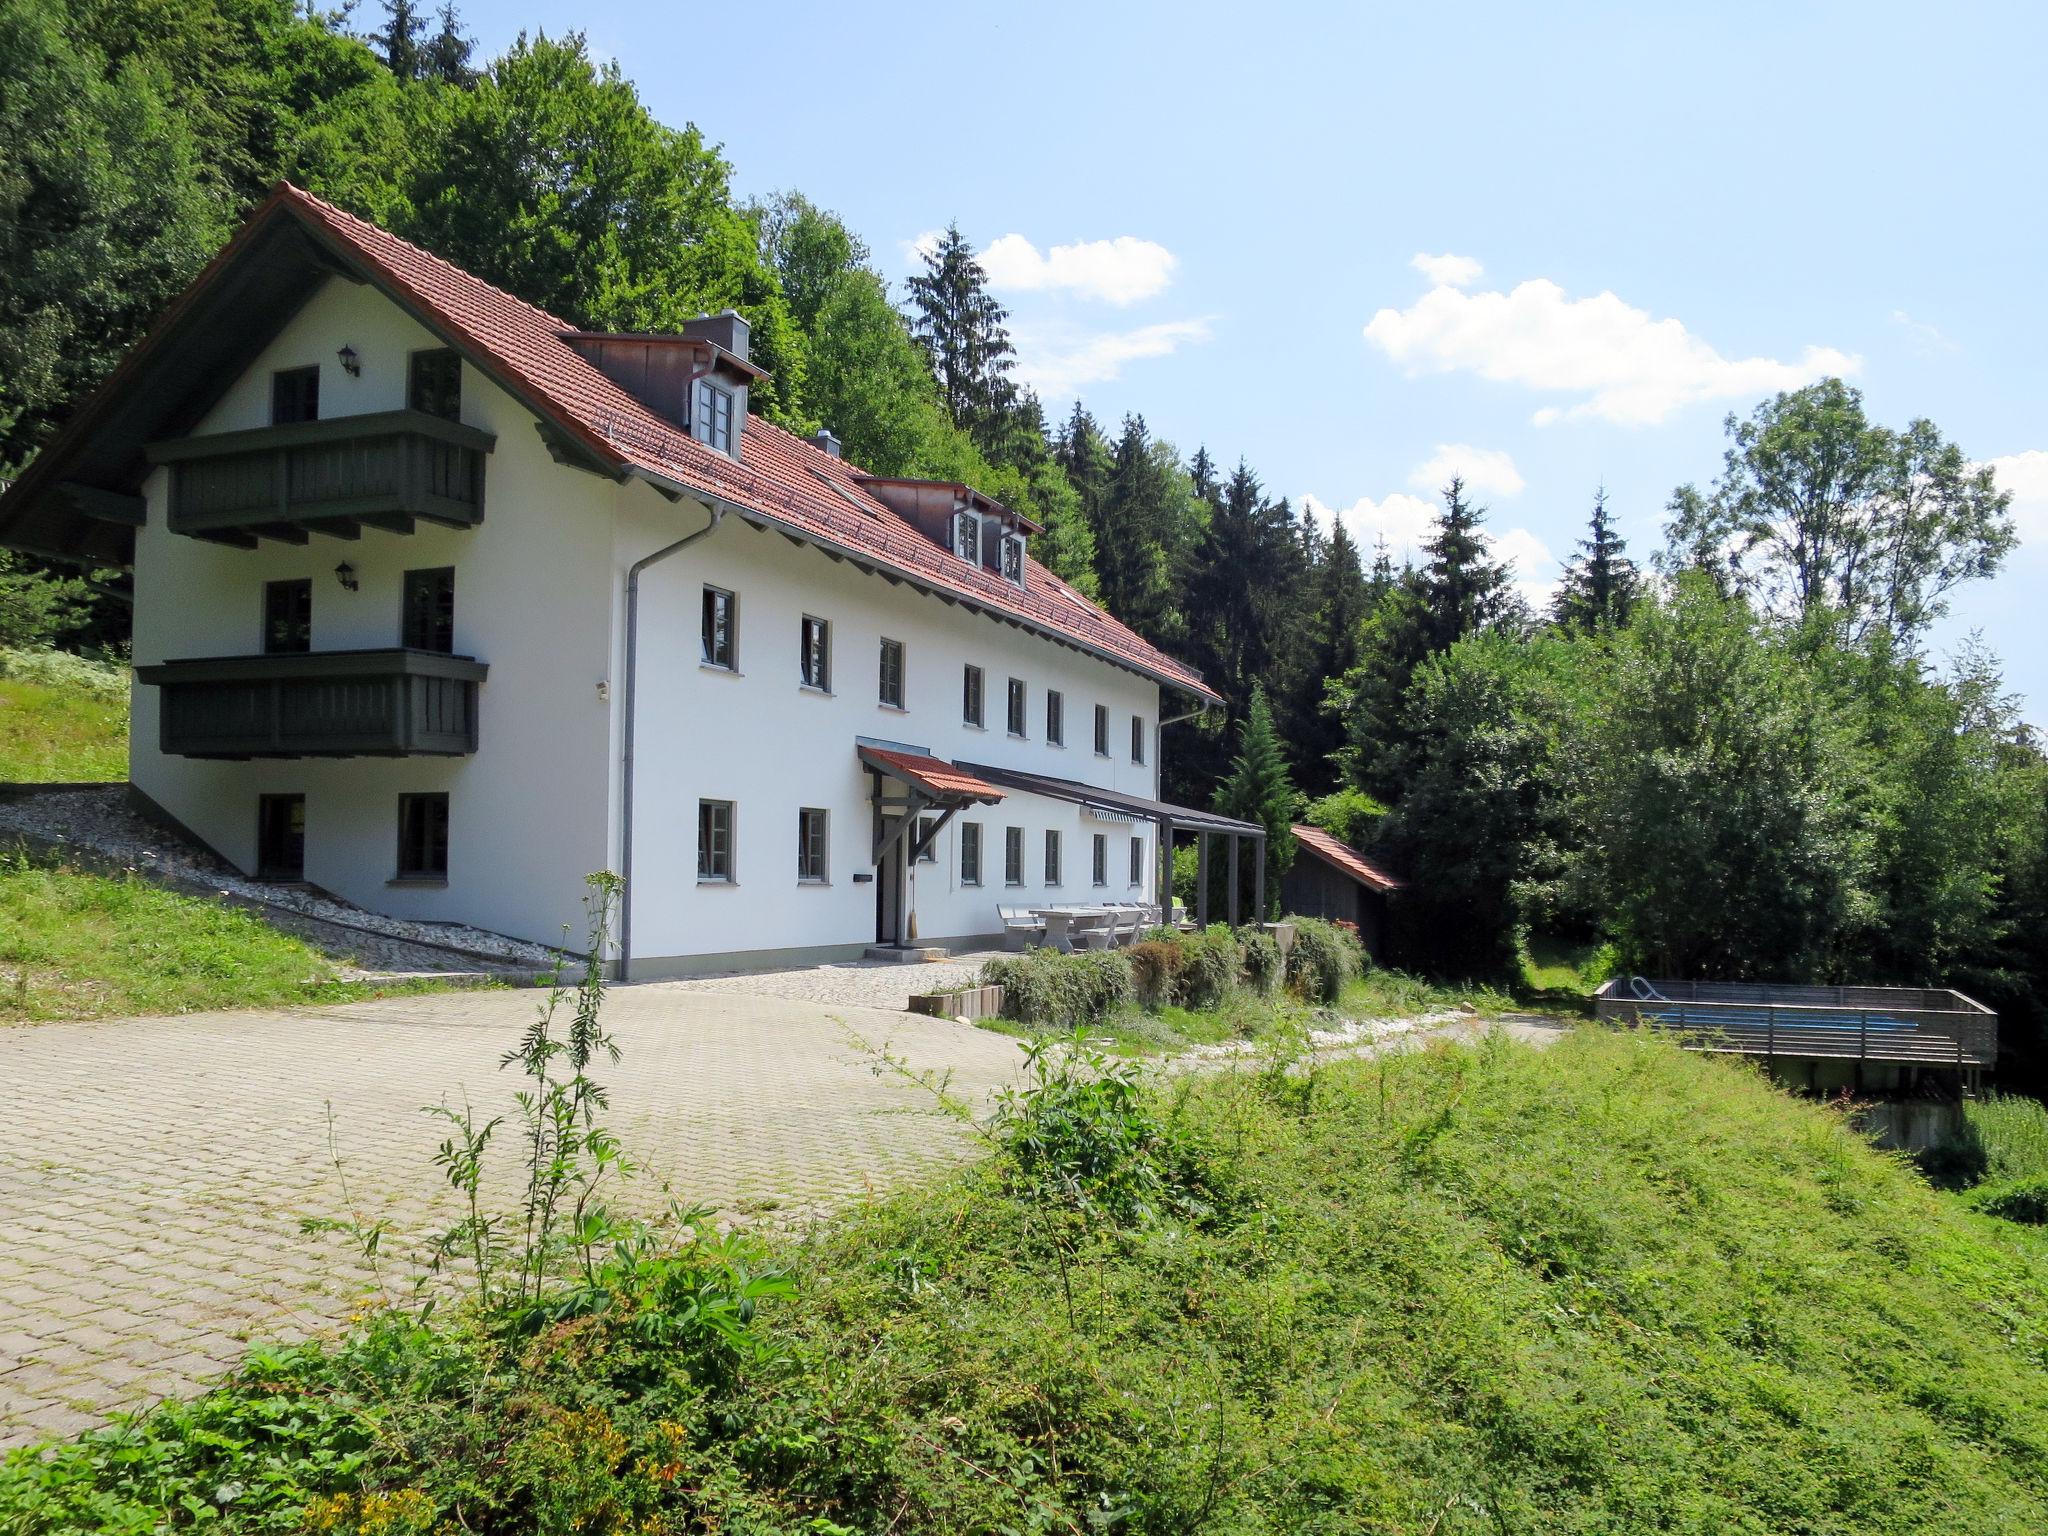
x,y
764,742
533,593
539,596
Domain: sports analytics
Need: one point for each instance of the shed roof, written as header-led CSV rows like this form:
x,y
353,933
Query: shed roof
x,y
1341,856
1115,802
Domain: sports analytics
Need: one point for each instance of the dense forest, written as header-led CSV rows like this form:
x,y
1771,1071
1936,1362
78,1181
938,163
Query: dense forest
x,y
1736,758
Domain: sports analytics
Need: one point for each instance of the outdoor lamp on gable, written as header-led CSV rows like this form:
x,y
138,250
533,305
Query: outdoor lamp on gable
x,y
346,575
350,363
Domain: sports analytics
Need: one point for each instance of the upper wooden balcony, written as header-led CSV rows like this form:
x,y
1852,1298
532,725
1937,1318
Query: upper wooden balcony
x,y
335,476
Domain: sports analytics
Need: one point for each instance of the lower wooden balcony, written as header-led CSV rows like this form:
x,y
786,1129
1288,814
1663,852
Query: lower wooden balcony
x,y
385,703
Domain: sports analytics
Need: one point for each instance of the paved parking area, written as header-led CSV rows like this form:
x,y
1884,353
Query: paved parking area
x,y
157,1170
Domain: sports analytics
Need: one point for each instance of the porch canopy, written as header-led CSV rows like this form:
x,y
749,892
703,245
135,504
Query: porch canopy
x,y
1169,818
908,783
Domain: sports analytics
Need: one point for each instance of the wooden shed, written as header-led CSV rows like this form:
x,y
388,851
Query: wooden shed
x,y
1331,879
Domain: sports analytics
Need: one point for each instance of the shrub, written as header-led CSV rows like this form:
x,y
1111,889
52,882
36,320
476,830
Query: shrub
x,y
1263,963
62,670
1155,961
1047,989
1323,959
2024,1200
1214,961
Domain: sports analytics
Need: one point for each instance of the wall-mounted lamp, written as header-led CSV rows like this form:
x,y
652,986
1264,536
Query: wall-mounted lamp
x,y
346,575
350,363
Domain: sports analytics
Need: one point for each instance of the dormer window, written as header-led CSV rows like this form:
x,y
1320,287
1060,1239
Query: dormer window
x,y
714,417
1013,559
967,537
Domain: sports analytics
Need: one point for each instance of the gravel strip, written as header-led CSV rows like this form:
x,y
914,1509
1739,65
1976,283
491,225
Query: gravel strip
x,y
98,821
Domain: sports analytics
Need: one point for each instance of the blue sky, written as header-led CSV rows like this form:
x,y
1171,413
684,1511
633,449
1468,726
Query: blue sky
x,y
1629,223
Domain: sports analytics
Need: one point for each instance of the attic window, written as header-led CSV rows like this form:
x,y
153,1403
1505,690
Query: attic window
x,y
967,537
714,417
1013,558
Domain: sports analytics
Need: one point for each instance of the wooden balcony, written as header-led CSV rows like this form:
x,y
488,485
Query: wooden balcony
x,y
336,477
393,703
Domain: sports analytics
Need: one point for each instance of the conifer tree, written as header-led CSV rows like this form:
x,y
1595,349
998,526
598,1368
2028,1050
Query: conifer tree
x,y
1463,590
960,326
446,57
1259,789
403,40
1600,584
1143,529
1339,600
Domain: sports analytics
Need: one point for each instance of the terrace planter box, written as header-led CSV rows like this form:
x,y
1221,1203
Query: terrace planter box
x,y
973,1003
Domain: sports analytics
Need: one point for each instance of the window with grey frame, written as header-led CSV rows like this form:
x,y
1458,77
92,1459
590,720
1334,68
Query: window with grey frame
x,y
714,417
889,690
428,620
287,617
814,641
1016,706
423,837
1102,730
294,396
967,537
1138,740
714,842
970,853
811,843
1055,717
434,383
721,629
928,839
1101,869
1013,855
1137,861
971,707
1052,856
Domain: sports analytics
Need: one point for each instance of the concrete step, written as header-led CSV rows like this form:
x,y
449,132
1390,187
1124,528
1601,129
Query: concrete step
x,y
907,954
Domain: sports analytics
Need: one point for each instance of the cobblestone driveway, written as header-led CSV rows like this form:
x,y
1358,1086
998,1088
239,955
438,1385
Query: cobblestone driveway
x,y
156,1170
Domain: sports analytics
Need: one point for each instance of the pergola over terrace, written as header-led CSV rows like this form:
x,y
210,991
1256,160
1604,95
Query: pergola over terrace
x,y
1171,820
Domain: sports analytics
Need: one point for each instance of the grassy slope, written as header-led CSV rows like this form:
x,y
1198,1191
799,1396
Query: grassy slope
x,y
56,733
76,945
1608,1287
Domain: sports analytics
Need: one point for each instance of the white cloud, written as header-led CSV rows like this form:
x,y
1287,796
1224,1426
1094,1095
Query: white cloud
x,y
1057,361
1119,271
1630,368
1924,338
1448,271
918,247
2026,476
1406,520
1487,471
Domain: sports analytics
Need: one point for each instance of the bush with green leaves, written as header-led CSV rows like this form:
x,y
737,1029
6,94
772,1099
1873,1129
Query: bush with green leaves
x,y
1323,960
1156,960
1045,988
1263,964
1214,964
60,669
2022,1200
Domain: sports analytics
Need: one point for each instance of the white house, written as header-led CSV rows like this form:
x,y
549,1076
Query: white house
x,y
441,603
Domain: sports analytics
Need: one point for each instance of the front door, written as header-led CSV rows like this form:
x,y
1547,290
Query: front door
x,y
281,837
889,889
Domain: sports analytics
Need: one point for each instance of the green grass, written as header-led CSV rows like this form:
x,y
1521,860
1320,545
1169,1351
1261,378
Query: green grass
x,y
76,945
1562,972
59,733
1605,1287
2012,1133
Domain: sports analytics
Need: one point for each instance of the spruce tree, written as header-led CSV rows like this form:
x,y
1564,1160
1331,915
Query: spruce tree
x,y
1463,590
960,326
1328,649
1260,790
446,56
402,42
1601,583
1142,533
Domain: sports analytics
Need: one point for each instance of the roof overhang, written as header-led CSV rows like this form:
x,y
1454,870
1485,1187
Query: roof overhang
x,y
1115,803
1346,860
935,779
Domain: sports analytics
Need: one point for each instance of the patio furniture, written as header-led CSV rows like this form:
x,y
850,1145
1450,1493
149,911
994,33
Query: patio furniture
x,y
1021,927
1095,929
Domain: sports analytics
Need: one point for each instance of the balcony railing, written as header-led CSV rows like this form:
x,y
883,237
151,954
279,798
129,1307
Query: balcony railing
x,y
336,476
393,703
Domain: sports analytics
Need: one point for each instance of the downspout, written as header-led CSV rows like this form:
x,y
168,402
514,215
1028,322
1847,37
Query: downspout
x,y
628,705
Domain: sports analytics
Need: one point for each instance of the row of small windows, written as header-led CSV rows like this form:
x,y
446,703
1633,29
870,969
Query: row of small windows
x,y
969,542
433,384
1013,856
422,837
426,614
720,648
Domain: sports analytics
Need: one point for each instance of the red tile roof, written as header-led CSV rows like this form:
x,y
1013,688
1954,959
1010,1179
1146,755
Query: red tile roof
x,y
784,480
934,775
1344,857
